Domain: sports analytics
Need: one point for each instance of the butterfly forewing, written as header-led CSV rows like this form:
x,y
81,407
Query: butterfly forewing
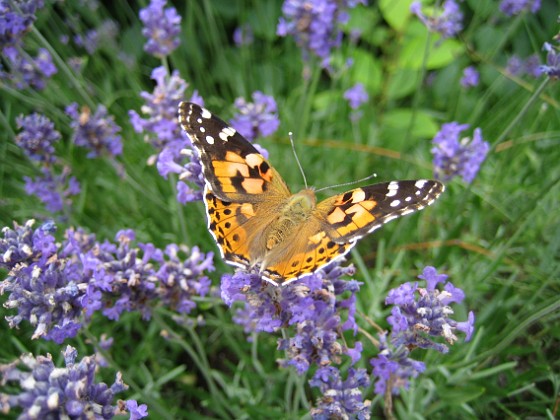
x,y
356,213
233,167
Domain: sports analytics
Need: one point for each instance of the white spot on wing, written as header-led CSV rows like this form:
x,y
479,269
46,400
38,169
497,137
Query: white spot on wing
x,y
395,203
209,139
393,188
226,133
420,183
202,129
205,113
407,199
230,131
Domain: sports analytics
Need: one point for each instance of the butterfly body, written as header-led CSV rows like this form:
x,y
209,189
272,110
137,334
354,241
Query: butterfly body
x,y
256,220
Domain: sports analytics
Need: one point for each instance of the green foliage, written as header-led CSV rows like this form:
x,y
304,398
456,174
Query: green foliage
x,y
498,238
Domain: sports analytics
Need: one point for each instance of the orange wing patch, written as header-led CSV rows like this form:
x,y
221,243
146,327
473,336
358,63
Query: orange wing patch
x,y
316,252
350,212
238,174
225,222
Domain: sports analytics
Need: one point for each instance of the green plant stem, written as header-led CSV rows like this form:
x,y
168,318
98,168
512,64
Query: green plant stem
x,y
155,407
198,356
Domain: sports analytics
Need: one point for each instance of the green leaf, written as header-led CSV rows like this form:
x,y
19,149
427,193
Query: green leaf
x,y
396,13
366,70
402,83
396,122
440,52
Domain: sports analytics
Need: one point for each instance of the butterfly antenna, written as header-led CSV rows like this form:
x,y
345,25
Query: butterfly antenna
x,y
290,134
374,175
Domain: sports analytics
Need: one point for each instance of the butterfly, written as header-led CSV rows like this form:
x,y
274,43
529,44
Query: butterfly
x,y
256,220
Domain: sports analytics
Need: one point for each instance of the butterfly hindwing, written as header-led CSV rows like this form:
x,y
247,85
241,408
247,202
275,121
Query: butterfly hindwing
x,y
304,253
232,166
225,222
351,215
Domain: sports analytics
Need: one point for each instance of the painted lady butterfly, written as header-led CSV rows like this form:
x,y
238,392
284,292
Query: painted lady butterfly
x,y
256,220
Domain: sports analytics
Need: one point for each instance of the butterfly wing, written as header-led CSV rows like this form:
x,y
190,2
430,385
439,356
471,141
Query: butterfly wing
x,y
339,221
303,253
354,214
233,168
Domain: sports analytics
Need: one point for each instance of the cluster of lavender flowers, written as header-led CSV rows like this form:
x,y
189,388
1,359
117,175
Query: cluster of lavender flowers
x,y
162,27
52,285
69,392
418,317
93,39
161,128
471,77
97,132
531,66
256,119
314,307
16,19
315,25
37,138
54,186
356,97
552,66
515,7
448,23
454,157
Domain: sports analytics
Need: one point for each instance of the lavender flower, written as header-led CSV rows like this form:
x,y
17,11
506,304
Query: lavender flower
x,y
394,366
518,67
315,25
162,27
181,280
243,35
533,66
257,118
23,246
421,313
470,77
160,124
552,67
69,392
136,411
53,190
27,71
44,289
15,21
341,399
123,279
356,96
418,315
449,23
120,281
97,132
93,39
45,286
515,7
37,137
515,66
453,157
163,132
310,304
52,286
